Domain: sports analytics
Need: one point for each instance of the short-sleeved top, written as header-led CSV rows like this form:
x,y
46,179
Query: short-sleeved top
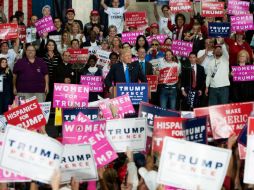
x,y
10,56
115,17
30,76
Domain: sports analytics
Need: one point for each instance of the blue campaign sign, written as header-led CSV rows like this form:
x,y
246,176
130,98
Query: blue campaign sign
x,y
163,2
218,29
242,138
71,113
137,91
150,111
195,130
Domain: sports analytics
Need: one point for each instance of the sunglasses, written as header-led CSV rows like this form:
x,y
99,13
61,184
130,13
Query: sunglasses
x,y
155,44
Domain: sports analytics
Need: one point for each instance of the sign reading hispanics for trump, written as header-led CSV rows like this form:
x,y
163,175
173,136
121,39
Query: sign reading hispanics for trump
x,y
70,95
95,83
30,154
198,166
45,25
78,162
28,115
181,48
127,133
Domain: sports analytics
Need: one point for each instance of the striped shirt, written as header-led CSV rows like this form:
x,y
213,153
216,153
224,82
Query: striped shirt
x,y
52,64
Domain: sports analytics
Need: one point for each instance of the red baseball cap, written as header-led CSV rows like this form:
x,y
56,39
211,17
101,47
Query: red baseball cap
x,y
70,10
240,32
94,13
154,25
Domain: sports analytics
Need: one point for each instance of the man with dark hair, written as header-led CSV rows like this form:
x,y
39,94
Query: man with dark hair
x,y
59,28
20,16
70,15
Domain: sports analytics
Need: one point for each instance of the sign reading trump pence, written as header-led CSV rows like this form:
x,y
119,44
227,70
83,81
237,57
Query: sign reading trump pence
x,y
189,165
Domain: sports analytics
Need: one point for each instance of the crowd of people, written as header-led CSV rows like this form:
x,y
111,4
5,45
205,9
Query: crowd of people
x,y
31,69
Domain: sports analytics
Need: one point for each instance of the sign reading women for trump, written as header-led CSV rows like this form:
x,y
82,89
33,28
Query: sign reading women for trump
x,y
127,133
70,95
30,154
9,177
198,166
28,115
45,25
78,162
137,91
181,48
131,37
71,114
95,83
243,73
236,7
242,22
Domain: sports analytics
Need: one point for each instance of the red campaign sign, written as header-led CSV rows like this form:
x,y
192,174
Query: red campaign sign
x,y
166,126
152,82
28,116
199,112
135,18
78,55
168,75
212,9
229,118
180,7
22,33
251,126
8,31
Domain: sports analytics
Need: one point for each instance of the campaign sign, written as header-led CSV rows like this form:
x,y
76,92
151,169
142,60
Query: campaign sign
x,y
45,107
117,107
28,116
131,37
242,22
95,83
78,162
212,9
249,167
163,127
22,33
8,31
199,112
71,114
137,91
10,177
45,25
177,7
229,118
236,7
135,18
30,154
102,57
195,129
181,48
127,133
168,75
81,118
70,95
3,123
77,131
199,166
218,29
30,35
242,138
243,73
78,55
162,2
160,37
152,82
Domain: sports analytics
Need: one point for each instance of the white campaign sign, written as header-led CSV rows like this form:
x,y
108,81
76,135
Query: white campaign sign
x,y
78,161
123,133
189,165
45,107
30,154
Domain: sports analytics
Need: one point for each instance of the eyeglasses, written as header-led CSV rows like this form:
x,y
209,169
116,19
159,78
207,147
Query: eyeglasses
x,y
155,44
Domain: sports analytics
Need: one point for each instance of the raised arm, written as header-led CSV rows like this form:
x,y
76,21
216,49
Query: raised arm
x,y
126,4
155,11
104,5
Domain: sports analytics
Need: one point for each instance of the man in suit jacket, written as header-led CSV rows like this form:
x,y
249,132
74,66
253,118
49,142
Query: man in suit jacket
x,y
117,72
146,67
192,82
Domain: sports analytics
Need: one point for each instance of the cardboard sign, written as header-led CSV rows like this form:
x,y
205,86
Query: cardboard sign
x,y
242,23
249,167
199,112
8,31
28,116
45,25
95,83
178,7
71,114
160,37
135,18
78,131
137,91
168,75
30,154
117,107
78,162
22,33
199,166
127,133
45,107
131,37
163,127
78,56
181,48
152,82
242,151
195,130
212,9
218,29
30,35
236,7
103,57
243,73
229,118
70,95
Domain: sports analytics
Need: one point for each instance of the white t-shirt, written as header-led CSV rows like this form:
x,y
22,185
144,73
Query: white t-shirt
x,y
115,17
207,59
11,57
163,24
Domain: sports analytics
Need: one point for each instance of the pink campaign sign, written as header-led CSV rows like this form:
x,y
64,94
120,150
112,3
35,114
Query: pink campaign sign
x,y
7,176
236,7
117,107
181,48
131,37
243,73
76,131
242,23
45,25
81,118
95,83
70,95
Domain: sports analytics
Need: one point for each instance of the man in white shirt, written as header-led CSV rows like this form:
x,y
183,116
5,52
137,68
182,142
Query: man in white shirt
x,y
217,79
10,54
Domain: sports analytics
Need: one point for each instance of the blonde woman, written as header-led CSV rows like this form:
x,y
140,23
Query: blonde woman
x,y
65,42
76,33
116,45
